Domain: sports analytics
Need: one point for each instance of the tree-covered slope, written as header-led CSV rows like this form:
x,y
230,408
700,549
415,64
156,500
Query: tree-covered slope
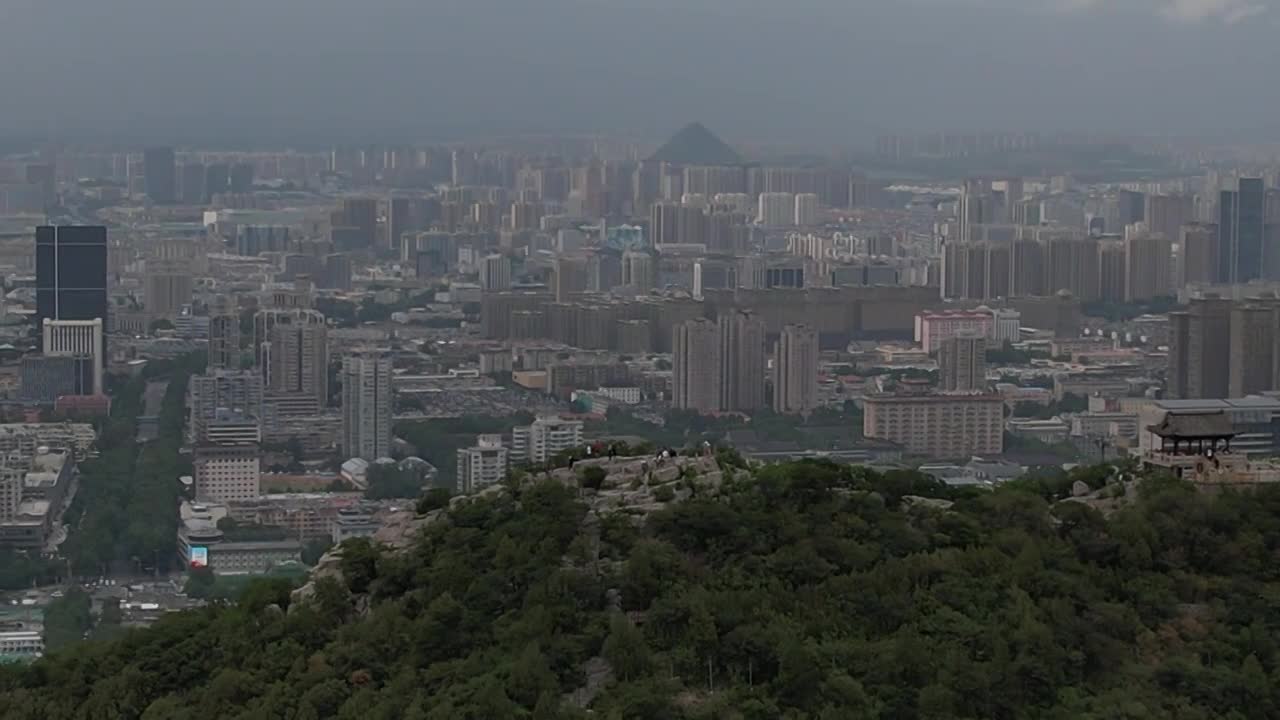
x,y
801,591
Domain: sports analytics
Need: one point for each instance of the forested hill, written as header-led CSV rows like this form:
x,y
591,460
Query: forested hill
x,y
797,591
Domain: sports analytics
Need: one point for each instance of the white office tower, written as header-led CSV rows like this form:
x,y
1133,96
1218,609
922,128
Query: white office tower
x,y
366,406
495,273
77,338
541,441
806,214
776,209
482,465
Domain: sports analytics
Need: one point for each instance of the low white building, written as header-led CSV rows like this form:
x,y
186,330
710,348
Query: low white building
x,y
26,437
1053,430
201,544
356,472
21,644
624,395
546,437
482,465
1006,326
1105,425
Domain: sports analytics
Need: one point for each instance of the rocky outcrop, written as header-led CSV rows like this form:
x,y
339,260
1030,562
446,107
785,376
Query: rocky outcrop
x,y
1116,494
398,531
909,501
330,566
597,674
640,485
636,486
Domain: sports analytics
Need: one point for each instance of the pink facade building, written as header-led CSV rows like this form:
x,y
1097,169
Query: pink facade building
x,y
932,328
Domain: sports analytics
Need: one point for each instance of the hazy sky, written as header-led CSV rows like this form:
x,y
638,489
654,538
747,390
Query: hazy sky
x,y
820,71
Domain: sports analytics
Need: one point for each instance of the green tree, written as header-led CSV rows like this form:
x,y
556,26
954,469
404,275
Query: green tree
x,y
67,619
1007,354
387,481
24,570
109,622
200,583
530,677
315,549
625,649
796,590
359,563
593,477
434,499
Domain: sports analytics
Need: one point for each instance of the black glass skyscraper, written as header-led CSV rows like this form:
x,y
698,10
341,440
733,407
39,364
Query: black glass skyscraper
x,y
1242,234
1132,207
161,173
71,273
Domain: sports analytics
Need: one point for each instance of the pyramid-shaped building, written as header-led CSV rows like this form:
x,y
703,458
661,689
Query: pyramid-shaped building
x,y
696,145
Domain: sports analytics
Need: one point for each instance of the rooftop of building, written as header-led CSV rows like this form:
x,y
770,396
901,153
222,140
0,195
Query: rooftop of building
x,y
954,315
1194,425
232,416
46,467
226,373
33,510
996,467
555,420
936,396
25,428
200,535
355,466
361,520
227,449
284,217
334,498
41,479
259,546
1054,423
1250,402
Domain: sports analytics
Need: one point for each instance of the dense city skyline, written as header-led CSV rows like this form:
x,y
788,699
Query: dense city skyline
x,y
665,360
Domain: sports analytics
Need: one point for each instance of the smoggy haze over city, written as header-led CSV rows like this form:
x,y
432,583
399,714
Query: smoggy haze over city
x,y
817,71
